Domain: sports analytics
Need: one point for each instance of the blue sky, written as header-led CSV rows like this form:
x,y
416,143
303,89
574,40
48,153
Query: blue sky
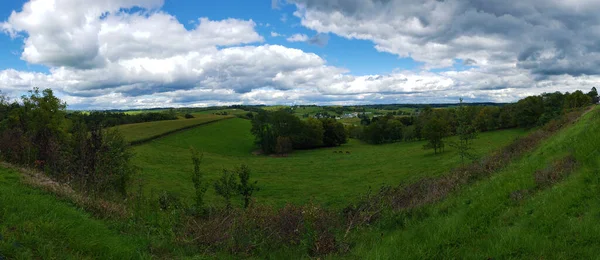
x,y
134,54
359,56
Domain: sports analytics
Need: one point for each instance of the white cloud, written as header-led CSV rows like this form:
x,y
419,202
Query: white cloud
x,y
298,38
102,57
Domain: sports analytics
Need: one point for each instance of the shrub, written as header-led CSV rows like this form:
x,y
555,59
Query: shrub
x,y
188,116
555,172
246,188
226,186
198,180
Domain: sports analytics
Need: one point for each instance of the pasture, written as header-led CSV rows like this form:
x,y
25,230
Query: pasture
x,y
323,176
140,132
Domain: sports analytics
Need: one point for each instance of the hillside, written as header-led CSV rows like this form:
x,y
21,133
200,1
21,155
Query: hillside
x,y
141,132
36,224
512,214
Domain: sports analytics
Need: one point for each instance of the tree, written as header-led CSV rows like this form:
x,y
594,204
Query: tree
x,y
434,131
466,132
311,134
226,186
529,110
246,188
284,145
263,132
593,94
335,134
577,99
198,180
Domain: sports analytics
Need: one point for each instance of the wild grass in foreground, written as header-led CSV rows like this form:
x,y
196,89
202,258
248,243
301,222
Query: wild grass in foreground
x,y
35,224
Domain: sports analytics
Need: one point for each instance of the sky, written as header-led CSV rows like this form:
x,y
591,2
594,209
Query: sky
x,y
130,54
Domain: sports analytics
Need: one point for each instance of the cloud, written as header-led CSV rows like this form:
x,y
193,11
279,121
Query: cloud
x,y
298,38
564,34
103,55
319,40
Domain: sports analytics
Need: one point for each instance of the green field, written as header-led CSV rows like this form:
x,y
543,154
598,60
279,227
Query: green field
x,y
478,221
148,130
483,222
35,224
321,175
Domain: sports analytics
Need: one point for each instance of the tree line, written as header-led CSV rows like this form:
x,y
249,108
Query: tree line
x,y
38,132
435,124
109,119
281,132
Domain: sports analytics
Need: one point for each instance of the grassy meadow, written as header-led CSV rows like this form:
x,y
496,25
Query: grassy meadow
x,y
34,223
480,220
325,177
483,221
148,130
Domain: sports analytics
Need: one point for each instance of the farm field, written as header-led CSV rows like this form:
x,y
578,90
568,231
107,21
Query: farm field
x,y
321,176
148,130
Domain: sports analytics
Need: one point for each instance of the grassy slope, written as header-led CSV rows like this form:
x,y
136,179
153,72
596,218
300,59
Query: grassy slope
x,y
326,177
34,224
143,131
481,221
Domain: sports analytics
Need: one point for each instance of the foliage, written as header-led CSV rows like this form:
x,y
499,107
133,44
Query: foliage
x,y
434,131
226,186
188,116
593,94
577,99
284,145
385,129
200,186
110,119
269,126
465,131
335,134
246,188
38,133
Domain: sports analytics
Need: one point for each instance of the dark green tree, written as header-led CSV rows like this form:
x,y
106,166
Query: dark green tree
x,y
577,99
593,94
434,131
335,133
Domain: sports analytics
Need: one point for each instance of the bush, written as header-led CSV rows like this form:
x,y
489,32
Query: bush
x,y
188,116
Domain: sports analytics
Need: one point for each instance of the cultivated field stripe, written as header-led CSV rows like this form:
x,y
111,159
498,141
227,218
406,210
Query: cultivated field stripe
x,y
154,137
